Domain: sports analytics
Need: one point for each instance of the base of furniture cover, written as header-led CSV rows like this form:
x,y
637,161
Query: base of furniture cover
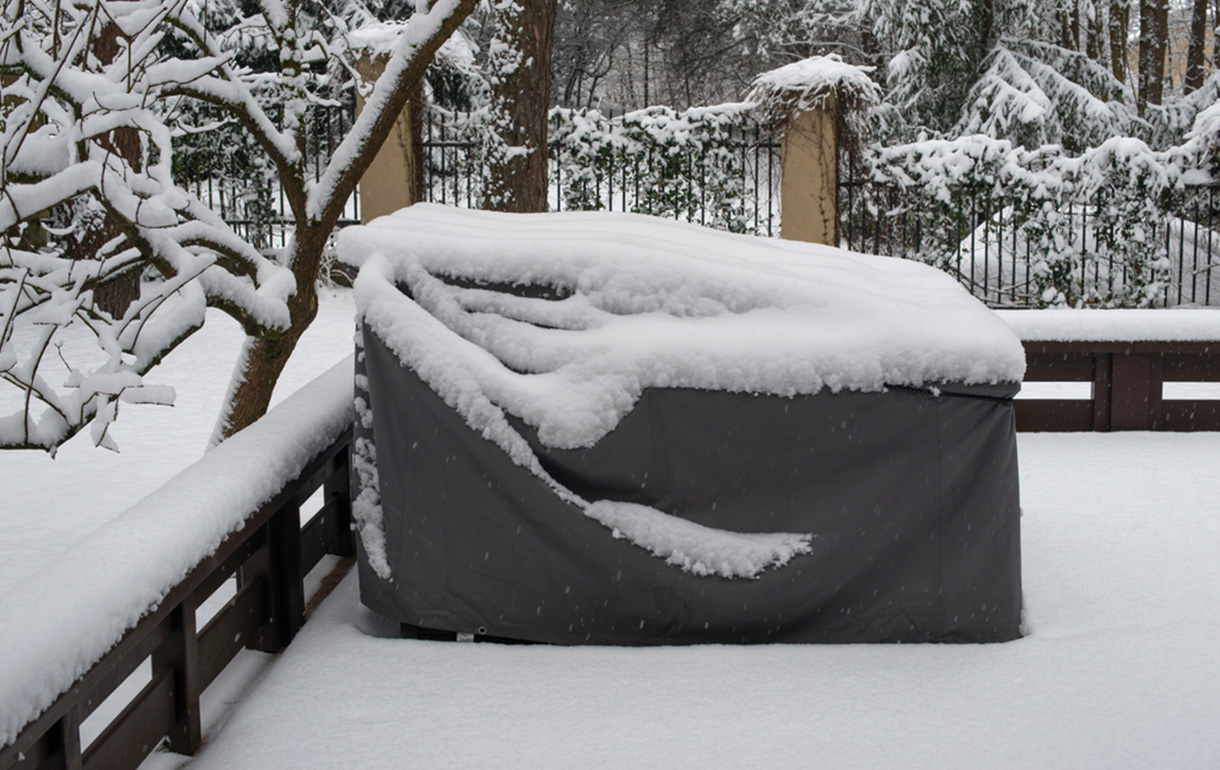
x,y
911,496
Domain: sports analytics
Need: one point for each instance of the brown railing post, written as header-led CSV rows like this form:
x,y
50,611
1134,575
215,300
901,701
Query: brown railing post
x,y
181,653
287,587
64,742
338,490
1135,390
1103,381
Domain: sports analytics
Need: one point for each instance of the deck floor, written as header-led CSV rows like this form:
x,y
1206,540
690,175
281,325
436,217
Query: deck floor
x,y
1121,667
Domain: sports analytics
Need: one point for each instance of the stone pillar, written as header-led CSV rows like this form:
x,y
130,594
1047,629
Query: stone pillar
x,y
809,185
395,178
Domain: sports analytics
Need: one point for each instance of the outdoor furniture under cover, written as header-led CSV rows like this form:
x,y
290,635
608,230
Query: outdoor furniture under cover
x,y
615,429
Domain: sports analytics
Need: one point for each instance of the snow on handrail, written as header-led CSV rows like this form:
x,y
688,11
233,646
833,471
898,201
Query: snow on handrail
x,y
63,619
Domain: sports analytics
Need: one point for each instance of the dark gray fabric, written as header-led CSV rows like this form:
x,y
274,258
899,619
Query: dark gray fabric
x,y
912,497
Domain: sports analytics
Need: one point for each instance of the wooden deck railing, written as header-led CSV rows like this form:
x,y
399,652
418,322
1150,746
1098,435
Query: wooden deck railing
x,y
1127,380
270,557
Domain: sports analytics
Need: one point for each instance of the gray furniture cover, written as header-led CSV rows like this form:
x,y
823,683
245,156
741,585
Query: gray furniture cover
x,y
912,498
910,494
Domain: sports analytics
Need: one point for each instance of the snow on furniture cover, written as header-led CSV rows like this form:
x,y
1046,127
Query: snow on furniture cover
x,y
610,428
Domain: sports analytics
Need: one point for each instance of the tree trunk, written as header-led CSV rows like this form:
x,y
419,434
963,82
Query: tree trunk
x,y
116,294
1096,48
1074,25
266,357
521,93
1195,74
986,11
1120,18
1154,38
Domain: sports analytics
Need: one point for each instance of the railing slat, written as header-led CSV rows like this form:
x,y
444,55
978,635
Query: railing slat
x,y
137,730
180,654
1190,415
226,634
1043,415
327,526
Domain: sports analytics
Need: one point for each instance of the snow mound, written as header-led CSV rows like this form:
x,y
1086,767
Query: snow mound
x,y
564,319
805,85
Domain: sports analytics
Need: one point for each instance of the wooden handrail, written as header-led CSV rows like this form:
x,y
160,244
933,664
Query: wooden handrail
x,y
270,555
1127,380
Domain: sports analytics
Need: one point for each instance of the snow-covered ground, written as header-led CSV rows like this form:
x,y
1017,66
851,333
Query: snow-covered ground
x,y
1121,667
50,504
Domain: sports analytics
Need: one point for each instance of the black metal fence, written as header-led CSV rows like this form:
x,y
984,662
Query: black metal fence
x,y
1010,251
1006,248
223,168
727,179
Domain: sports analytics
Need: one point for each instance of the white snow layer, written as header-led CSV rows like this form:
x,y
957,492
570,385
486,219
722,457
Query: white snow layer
x,y
1119,670
654,303
1068,325
805,84
639,302
59,622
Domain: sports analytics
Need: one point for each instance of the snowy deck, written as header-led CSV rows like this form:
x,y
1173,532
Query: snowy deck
x,y
1120,669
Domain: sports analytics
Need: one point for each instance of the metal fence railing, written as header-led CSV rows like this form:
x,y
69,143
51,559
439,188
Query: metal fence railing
x,y
730,181
1007,248
225,171
1010,252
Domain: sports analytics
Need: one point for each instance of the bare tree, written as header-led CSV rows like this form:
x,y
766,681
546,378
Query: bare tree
x,y
62,109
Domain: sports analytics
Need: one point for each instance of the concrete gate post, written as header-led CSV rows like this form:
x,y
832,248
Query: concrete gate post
x,y
809,176
395,178
812,102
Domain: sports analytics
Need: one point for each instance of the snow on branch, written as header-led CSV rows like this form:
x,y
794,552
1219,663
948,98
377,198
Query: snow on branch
x,y
88,203
1040,94
417,43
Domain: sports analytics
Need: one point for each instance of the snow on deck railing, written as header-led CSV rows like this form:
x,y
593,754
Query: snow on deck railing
x,y
1161,325
57,624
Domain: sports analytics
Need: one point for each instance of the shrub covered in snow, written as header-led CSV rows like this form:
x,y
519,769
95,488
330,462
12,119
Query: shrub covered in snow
x,y
697,165
1055,230
685,165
